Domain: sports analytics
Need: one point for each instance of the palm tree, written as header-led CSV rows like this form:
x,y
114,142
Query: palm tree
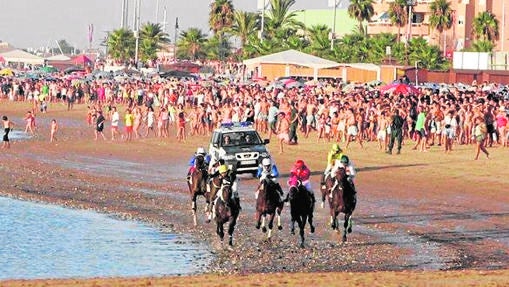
x,y
244,24
398,13
221,19
441,17
485,27
482,46
121,44
362,10
191,44
221,15
152,38
280,21
318,36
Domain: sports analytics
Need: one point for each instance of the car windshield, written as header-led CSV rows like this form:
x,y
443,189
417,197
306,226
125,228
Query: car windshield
x,y
240,138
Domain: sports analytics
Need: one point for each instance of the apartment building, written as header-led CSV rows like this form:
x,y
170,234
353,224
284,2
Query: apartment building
x,y
458,37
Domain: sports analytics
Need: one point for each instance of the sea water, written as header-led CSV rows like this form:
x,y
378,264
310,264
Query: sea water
x,y
47,241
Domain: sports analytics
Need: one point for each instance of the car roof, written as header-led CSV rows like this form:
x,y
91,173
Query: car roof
x,y
231,127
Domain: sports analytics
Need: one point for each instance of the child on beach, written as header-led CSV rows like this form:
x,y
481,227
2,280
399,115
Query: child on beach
x,y
7,128
30,122
181,133
53,131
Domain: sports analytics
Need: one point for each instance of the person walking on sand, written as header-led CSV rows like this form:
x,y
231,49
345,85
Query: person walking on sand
x,y
480,133
129,119
30,122
53,131
99,125
7,128
115,118
283,131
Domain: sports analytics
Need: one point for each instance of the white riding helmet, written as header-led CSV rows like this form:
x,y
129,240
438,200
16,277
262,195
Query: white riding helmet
x,y
201,150
266,161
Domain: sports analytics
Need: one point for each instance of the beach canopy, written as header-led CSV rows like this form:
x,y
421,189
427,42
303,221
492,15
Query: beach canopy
x,y
59,57
6,72
82,60
293,57
399,88
20,56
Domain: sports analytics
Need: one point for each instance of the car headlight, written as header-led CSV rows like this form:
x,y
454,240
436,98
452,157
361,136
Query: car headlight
x,y
264,154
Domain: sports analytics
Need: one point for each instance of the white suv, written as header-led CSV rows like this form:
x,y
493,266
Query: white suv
x,y
240,146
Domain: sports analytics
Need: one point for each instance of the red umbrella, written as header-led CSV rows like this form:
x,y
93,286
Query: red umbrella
x,y
82,60
399,88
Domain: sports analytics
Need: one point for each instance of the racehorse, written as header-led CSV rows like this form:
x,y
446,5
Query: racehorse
x,y
213,187
268,204
226,210
342,199
198,184
301,209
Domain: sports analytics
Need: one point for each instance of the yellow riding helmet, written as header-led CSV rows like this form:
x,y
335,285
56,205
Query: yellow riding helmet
x,y
223,168
336,148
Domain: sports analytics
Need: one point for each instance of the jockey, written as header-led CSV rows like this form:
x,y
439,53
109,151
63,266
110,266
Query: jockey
x,y
349,168
226,174
333,156
268,171
199,152
300,172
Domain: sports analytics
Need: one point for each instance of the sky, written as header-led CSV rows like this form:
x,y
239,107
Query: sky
x,y
40,23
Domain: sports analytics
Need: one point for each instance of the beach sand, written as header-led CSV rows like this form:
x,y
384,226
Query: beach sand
x,y
425,218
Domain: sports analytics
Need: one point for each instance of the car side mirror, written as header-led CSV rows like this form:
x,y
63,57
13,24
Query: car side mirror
x,y
266,141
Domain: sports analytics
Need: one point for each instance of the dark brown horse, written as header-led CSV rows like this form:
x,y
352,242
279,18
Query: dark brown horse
x,y
213,187
342,199
301,209
268,204
198,184
226,210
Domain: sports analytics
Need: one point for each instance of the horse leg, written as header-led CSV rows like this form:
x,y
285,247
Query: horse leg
x,y
271,225
310,221
264,229
258,217
292,226
333,222
302,223
279,226
350,224
193,208
220,231
231,228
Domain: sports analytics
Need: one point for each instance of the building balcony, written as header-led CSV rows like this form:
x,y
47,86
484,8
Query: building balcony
x,y
418,29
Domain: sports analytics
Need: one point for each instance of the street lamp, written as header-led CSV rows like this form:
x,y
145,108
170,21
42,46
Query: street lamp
x,y
409,4
136,28
262,4
335,4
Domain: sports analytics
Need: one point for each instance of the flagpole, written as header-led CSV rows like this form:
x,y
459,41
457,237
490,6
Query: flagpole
x,y
175,43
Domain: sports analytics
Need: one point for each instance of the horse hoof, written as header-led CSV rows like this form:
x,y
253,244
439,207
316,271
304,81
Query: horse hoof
x,y
344,238
280,227
292,232
264,229
302,245
312,229
257,226
349,230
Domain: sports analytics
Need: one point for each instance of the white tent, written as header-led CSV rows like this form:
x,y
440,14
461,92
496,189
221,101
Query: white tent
x,y
59,57
19,56
293,57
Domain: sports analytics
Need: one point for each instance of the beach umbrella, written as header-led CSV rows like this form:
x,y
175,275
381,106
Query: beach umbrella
x,y
48,69
82,60
399,88
2,59
6,72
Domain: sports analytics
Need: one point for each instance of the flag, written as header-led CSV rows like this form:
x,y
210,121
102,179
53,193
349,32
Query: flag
x,y
90,33
177,23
